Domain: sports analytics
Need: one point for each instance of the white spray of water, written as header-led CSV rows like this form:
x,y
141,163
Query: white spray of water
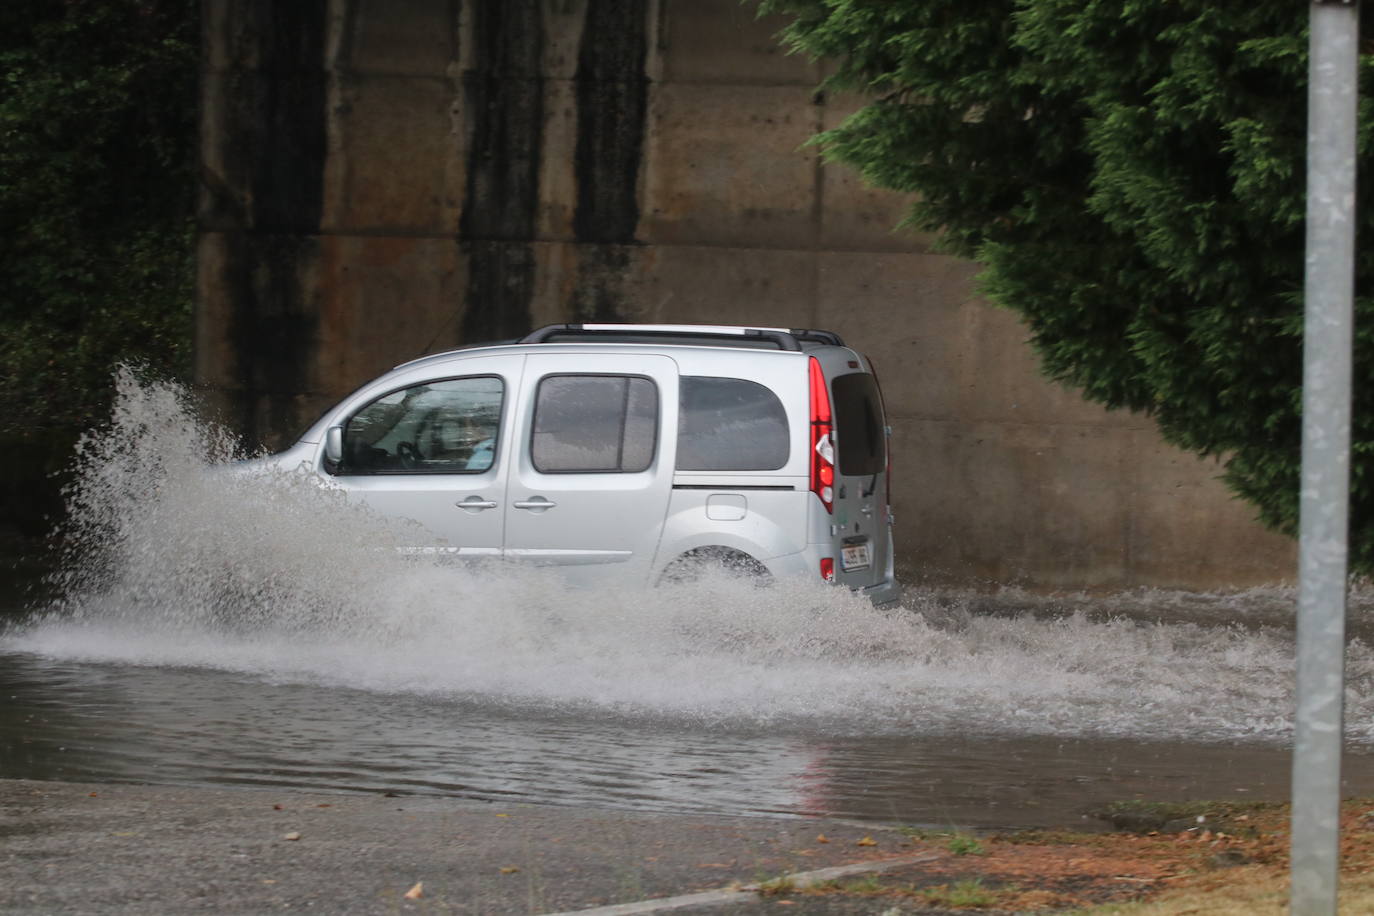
x,y
177,562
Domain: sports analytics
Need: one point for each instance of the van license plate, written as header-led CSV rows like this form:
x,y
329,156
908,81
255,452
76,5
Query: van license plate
x,y
854,556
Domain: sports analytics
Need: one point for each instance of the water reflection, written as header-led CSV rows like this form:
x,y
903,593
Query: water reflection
x,y
67,721
90,722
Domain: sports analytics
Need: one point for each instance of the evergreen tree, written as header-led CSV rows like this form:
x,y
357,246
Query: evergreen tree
x,y
1131,176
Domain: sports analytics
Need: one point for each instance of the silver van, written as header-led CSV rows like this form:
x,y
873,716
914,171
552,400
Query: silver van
x,y
639,452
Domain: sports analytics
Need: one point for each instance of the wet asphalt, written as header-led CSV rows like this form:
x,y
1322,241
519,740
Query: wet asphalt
x,y
114,849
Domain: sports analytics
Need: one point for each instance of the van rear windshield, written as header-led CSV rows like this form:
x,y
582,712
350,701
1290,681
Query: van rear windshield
x,y
859,424
730,424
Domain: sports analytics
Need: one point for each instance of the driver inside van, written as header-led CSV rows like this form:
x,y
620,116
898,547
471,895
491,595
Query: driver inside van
x,y
483,439
458,440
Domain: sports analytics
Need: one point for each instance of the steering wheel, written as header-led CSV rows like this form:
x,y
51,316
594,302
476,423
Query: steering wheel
x,y
410,455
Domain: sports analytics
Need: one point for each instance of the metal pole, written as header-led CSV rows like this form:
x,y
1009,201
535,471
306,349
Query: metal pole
x,y
1324,501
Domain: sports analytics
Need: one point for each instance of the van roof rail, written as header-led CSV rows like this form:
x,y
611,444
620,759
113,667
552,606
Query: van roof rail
x,y
726,335
815,335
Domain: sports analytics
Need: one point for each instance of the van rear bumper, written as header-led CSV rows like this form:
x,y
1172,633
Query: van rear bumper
x,y
806,564
889,591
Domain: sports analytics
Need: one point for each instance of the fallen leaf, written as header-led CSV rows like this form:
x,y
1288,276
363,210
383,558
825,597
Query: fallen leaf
x,y
786,902
503,815
866,841
712,865
269,880
822,838
416,892
509,869
276,807
324,806
293,835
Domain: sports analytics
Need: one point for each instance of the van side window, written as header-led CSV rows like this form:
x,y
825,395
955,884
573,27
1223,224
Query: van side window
x,y
730,424
860,432
443,427
599,424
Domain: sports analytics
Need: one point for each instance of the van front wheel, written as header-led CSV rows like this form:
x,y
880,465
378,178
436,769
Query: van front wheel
x,y
704,561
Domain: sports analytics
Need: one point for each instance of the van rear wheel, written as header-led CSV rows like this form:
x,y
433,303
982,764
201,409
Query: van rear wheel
x,y
694,564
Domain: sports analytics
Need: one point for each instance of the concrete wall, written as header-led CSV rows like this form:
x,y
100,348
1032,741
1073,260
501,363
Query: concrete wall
x,y
385,179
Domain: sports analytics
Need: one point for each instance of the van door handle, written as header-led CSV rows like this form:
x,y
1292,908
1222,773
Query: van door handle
x,y
476,504
535,504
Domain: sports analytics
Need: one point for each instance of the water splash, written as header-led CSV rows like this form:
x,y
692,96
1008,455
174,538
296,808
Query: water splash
x,y
175,560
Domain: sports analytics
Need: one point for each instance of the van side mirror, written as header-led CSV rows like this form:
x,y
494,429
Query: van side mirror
x,y
333,445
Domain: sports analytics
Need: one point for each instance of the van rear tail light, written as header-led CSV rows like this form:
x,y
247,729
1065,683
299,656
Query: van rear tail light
x,y
822,448
828,569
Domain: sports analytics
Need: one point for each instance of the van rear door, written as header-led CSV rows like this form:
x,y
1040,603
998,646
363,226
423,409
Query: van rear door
x,y
862,539
589,487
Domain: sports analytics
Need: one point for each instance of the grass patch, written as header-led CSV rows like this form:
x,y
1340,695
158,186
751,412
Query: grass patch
x,y
956,841
779,886
920,833
1050,838
966,893
965,844
867,886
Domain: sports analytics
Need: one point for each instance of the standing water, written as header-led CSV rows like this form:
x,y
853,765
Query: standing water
x,y
215,628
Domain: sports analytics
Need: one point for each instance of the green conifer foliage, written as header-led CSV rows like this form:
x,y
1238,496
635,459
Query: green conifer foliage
x,y
1131,175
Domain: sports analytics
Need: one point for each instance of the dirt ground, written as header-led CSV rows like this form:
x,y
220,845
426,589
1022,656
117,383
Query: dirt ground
x,y
1194,858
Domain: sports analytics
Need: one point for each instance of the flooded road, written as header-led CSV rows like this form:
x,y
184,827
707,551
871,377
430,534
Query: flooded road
x,y
97,721
205,629
1010,711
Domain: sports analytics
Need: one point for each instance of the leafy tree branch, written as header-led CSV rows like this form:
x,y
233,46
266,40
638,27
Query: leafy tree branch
x,y
1130,174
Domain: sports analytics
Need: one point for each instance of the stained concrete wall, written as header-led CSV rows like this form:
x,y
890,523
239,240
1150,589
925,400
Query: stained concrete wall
x,y
385,179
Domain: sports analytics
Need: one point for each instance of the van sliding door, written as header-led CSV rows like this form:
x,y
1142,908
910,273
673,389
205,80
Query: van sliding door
x,y
589,487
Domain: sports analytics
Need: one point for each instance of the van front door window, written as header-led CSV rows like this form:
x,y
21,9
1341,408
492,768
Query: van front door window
x,y
439,427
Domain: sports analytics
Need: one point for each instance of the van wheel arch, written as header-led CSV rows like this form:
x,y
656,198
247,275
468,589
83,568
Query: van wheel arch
x,y
691,565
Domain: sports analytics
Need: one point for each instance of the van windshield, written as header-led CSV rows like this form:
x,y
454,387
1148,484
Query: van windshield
x,y
859,424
